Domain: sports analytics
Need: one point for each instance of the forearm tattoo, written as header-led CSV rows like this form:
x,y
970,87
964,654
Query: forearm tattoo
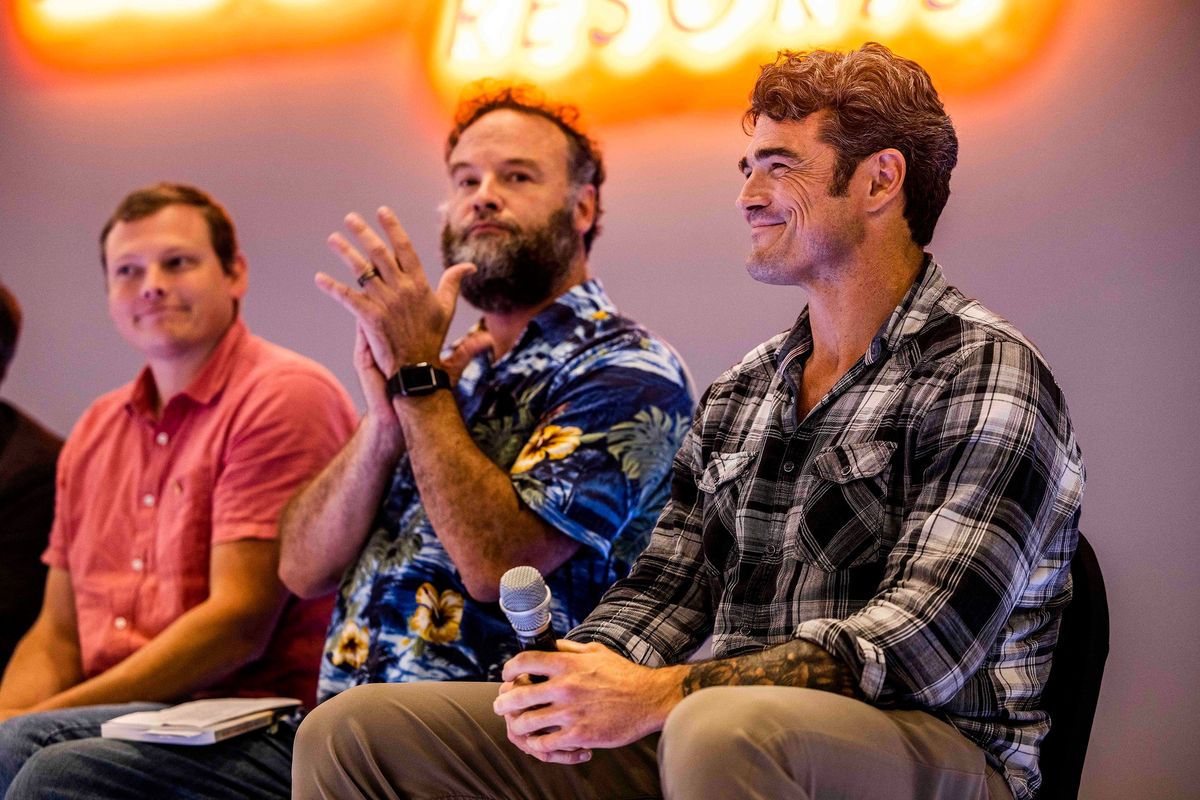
x,y
795,663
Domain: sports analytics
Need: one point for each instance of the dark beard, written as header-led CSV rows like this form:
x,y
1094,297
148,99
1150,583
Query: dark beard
x,y
519,270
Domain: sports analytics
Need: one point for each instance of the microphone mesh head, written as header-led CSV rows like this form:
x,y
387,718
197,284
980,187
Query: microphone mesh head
x,y
524,598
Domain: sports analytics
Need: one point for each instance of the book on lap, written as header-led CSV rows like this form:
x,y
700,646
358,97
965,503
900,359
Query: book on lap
x,y
200,721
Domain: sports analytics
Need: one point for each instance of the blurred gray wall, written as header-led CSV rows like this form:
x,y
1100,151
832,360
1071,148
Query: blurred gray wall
x,y
1074,214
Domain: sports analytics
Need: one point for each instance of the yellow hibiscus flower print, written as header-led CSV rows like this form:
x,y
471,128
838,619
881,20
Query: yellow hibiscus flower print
x,y
438,615
600,315
552,442
352,646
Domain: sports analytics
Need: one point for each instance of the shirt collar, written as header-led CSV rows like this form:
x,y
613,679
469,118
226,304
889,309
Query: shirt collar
x,y
583,301
913,312
205,386
906,320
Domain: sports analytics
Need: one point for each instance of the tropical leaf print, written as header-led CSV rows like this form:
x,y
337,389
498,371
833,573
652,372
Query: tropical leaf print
x,y
644,444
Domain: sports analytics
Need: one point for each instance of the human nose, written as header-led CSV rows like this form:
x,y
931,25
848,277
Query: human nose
x,y
751,196
486,196
153,285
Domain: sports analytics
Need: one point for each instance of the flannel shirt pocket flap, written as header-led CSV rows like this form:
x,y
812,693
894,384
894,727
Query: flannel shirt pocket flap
x,y
850,462
722,468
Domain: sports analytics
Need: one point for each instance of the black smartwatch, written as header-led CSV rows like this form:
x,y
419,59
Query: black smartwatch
x,y
414,380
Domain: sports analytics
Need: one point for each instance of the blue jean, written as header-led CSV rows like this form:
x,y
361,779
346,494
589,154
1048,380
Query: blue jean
x,y
60,754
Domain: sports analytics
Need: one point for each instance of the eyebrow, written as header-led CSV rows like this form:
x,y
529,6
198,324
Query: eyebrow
x,y
527,163
766,153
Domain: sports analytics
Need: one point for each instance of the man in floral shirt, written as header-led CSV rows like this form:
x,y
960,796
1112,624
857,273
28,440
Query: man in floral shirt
x,y
552,449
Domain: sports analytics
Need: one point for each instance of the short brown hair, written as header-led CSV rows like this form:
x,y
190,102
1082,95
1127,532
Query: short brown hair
x,y
875,100
10,328
150,200
584,164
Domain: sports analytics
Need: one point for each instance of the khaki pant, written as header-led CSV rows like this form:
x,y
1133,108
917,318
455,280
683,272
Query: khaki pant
x,y
442,740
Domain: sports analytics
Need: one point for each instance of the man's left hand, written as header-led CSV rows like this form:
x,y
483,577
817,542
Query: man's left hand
x,y
404,319
591,698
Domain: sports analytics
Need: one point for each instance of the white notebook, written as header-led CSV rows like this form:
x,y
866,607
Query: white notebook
x,y
198,722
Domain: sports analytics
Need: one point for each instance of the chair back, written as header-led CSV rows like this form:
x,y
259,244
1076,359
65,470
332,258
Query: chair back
x,y
1073,687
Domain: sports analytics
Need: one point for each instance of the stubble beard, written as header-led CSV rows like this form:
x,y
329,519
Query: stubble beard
x,y
519,269
808,255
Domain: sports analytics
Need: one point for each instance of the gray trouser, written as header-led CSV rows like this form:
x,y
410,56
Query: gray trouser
x,y
442,740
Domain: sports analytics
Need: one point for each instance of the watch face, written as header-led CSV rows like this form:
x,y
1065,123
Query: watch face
x,y
414,380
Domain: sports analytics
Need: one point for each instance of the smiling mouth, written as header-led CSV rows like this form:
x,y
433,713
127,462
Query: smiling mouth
x,y
155,313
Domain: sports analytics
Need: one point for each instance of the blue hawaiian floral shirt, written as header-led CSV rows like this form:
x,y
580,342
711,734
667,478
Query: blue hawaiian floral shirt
x,y
586,413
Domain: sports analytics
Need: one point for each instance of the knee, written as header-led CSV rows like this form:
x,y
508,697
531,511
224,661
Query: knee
x,y
57,770
346,728
706,723
17,743
714,730
323,728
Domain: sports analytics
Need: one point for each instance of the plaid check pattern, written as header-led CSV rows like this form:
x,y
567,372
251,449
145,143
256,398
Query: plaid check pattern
x,y
919,523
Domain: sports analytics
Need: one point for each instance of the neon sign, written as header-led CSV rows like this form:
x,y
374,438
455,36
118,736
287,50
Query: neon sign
x,y
608,52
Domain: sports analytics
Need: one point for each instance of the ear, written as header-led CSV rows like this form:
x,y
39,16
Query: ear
x,y
238,276
885,171
584,208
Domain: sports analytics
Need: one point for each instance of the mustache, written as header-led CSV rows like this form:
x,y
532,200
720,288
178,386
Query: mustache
x,y
489,220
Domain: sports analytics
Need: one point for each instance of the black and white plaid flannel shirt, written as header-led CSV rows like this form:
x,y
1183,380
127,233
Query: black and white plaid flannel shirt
x,y
918,524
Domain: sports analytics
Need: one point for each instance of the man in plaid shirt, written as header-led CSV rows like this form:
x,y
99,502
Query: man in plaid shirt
x,y
873,516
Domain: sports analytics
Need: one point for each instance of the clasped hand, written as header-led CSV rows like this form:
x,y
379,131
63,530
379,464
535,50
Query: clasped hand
x,y
401,318
591,698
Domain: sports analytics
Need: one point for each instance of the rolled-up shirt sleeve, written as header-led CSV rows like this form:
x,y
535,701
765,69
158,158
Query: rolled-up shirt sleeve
x,y
996,486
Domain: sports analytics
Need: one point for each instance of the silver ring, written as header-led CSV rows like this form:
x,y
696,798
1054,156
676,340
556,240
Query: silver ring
x,y
366,276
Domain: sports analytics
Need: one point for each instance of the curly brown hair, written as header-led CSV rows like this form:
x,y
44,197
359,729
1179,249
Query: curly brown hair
x,y
149,200
585,167
875,100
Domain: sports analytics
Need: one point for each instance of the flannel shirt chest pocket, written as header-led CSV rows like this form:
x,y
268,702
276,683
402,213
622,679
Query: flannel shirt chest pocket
x,y
836,518
721,482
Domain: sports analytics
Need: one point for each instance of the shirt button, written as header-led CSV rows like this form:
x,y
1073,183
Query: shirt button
x,y
788,466
137,564
744,630
120,623
148,500
162,437
771,549
846,471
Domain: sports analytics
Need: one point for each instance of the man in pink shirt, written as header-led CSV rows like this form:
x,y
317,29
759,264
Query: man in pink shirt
x,y
164,553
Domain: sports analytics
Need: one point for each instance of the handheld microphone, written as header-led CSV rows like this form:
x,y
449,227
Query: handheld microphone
x,y
525,600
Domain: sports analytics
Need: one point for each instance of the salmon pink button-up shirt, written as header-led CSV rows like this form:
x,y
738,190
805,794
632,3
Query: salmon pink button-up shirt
x,y
141,501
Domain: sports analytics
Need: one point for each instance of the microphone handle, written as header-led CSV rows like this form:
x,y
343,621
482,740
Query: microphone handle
x,y
544,641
